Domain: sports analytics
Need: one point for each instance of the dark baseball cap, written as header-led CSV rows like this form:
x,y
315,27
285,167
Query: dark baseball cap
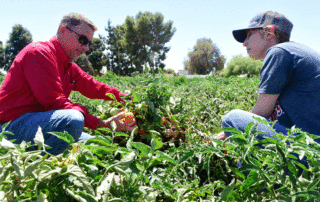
x,y
263,20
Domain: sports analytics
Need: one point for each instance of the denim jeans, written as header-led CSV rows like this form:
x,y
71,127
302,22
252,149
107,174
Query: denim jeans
x,y
239,119
69,120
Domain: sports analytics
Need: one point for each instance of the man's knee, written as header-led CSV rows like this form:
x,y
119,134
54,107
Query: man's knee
x,y
229,117
76,117
75,123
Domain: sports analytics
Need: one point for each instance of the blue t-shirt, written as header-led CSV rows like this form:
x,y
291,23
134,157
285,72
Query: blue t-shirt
x,y
293,71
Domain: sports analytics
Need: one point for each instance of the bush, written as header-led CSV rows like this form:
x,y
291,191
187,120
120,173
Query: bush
x,y
169,71
204,58
243,65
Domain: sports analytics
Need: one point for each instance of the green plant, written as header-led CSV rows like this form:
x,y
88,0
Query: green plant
x,y
171,155
242,65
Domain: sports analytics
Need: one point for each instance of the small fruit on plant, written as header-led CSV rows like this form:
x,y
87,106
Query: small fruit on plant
x,y
164,121
224,151
128,117
114,111
142,132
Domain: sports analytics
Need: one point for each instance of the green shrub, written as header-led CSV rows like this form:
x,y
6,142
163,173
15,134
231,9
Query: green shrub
x,y
169,71
243,65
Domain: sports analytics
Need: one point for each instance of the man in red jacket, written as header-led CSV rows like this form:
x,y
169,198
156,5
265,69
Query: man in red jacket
x,y
36,88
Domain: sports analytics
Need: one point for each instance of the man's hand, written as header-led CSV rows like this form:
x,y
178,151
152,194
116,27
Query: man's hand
x,y
121,125
220,136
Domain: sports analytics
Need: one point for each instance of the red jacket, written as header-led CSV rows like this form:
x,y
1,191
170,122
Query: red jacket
x,y
41,79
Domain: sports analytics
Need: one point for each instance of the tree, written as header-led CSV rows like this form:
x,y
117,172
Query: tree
x,y
117,59
139,41
85,64
95,54
145,38
18,39
1,55
204,58
243,65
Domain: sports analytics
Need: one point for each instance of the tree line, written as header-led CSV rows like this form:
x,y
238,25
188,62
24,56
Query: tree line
x,y
127,48
138,43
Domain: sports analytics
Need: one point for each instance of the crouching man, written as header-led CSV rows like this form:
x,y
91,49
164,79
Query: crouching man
x,y
36,88
289,89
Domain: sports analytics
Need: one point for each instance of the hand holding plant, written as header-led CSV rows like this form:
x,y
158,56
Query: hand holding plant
x,y
123,121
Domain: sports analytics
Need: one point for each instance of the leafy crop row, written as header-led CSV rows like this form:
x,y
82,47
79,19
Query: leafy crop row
x,y
171,156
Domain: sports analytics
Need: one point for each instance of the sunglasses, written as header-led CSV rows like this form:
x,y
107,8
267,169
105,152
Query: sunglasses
x,y
82,38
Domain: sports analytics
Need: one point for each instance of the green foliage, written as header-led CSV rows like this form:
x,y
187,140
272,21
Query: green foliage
x,y
138,41
85,64
117,60
2,78
204,58
95,54
153,166
18,39
2,61
169,71
243,65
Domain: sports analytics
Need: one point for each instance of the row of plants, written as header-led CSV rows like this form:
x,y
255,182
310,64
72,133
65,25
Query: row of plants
x,y
171,155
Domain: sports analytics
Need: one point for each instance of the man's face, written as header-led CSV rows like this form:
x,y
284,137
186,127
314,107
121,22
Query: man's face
x,y
72,47
256,44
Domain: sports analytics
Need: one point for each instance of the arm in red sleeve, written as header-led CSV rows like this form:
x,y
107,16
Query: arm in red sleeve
x,y
90,120
92,88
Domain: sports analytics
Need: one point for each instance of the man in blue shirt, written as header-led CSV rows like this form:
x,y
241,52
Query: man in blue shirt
x,y
289,89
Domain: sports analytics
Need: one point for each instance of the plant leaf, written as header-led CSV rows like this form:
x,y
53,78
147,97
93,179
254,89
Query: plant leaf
x,y
232,130
144,149
32,166
7,145
237,172
16,167
156,143
111,95
76,171
63,136
38,139
105,130
104,188
165,157
313,184
120,134
76,195
227,191
100,141
251,179
135,96
186,156
113,126
42,198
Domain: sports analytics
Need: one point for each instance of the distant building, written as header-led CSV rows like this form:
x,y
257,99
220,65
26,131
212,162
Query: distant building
x,y
183,72
186,73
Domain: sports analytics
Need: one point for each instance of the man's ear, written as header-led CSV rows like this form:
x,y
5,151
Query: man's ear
x,y
270,31
62,29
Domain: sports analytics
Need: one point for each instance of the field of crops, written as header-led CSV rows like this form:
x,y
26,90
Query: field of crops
x,y
171,155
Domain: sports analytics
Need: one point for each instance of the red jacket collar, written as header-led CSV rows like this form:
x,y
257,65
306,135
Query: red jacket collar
x,y
60,53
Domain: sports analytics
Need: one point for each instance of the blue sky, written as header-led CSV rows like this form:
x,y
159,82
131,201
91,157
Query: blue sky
x,y
192,19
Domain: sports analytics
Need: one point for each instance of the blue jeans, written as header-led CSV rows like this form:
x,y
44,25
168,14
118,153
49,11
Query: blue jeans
x,y
69,120
239,119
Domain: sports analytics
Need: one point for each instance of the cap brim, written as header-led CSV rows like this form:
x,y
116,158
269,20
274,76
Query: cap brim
x,y
240,35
